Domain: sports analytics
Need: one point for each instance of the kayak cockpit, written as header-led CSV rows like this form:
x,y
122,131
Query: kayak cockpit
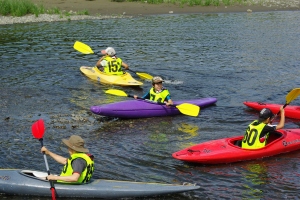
x,y
237,142
42,176
34,174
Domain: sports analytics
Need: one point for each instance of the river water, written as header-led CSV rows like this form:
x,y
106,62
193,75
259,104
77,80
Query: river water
x,y
234,57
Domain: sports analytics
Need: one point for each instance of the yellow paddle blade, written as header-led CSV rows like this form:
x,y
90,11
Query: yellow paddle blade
x,y
292,95
142,75
145,75
189,109
116,92
83,48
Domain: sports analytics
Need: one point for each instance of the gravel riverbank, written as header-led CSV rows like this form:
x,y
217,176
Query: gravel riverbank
x,y
49,18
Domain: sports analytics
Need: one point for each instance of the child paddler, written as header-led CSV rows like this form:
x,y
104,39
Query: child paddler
x,y
79,167
158,92
258,131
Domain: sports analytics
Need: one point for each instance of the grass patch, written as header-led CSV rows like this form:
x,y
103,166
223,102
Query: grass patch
x,y
17,7
20,8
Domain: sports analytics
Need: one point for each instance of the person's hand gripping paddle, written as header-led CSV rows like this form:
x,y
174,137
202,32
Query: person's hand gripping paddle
x,y
291,96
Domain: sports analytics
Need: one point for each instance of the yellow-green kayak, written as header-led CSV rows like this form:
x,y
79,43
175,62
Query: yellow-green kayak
x,y
95,74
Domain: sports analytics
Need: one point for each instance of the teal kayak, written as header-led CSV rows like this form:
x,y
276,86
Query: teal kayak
x,y
32,183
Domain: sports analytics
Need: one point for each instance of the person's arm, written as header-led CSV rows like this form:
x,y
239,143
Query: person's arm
x,y
78,166
146,96
73,178
58,158
169,101
282,119
98,64
125,66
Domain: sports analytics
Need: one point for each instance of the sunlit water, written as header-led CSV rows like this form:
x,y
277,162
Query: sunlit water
x,y
234,57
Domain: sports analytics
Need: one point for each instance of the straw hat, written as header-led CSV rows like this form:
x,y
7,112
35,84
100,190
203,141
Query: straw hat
x,y
76,143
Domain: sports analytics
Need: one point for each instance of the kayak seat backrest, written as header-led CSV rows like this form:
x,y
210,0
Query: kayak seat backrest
x,y
238,143
273,137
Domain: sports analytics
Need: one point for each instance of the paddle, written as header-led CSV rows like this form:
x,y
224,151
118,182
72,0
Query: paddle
x,y
85,49
142,75
291,96
38,130
184,108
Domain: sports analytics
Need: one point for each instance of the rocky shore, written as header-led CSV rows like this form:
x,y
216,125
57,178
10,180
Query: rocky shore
x,y
49,18
103,9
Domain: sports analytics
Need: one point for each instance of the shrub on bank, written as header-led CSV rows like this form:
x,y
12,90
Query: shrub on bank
x,y
19,8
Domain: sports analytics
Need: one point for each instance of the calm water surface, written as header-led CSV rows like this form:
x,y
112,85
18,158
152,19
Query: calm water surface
x,y
234,57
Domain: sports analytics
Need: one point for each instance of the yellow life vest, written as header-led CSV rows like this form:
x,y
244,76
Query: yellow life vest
x,y
113,66
251,137
87,173
160,96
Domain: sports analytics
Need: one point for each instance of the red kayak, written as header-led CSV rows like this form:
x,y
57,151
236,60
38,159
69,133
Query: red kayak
x,y
290,111
226,150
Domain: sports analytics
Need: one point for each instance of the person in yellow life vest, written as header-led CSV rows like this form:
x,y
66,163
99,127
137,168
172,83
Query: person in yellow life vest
x,y
258,131
110,63
79,167
158,92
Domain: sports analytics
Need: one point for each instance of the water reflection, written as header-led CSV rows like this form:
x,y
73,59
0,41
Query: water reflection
x,y
256,176
190,129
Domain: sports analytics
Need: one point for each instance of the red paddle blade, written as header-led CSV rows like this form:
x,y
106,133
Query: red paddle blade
x,y
53,194
38,129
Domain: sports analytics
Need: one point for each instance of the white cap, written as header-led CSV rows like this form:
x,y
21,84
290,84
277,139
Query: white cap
x,y
109,51
157,79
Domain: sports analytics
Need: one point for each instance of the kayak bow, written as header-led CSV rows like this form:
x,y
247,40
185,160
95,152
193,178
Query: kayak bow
x,y
290,111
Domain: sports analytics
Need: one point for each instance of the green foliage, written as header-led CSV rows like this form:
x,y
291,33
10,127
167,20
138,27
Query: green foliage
x,y
23,7
38,10
215,2
54,10
16,7
194,2
68,14
226,2
84,12
4,8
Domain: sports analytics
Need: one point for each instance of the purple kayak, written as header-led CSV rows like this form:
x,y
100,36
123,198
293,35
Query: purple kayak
x,y
143,108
